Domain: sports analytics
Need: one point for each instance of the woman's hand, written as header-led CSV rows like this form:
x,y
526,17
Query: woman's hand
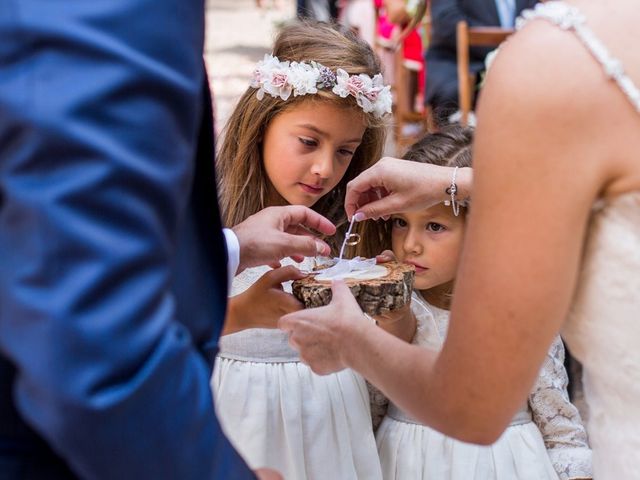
x,y
386,256
262,304
400,323
392,186
323,335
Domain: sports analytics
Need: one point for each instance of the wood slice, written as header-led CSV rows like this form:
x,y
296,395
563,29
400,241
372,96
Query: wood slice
x,y
375,296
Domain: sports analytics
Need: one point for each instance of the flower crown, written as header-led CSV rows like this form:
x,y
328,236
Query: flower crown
x,y
281,79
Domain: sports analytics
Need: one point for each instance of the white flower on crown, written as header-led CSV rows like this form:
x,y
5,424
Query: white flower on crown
x,y
304,79
370,93
281,79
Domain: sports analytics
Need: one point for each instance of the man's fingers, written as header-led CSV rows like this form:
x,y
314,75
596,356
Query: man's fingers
x,y
290,303
305,246
283,274
299,215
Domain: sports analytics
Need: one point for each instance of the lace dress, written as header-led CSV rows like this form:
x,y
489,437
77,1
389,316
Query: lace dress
x,y
546,439
279,414
603,328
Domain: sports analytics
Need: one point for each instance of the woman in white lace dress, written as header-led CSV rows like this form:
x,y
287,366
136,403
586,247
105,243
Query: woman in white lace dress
x,y
298,135
545,438
551,242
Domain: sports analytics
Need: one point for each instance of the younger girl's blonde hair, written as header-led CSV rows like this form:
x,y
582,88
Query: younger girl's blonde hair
x,y
242,181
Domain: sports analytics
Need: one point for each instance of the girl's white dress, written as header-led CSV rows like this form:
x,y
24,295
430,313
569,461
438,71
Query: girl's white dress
x,y
279,414
546,439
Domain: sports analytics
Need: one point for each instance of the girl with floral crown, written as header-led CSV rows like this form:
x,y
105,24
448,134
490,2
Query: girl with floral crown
x,y
311,120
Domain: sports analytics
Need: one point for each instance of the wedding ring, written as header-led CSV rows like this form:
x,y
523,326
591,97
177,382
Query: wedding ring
x,y
353,239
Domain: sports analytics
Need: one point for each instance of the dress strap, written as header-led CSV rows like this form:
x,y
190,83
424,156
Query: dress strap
x,y
568,17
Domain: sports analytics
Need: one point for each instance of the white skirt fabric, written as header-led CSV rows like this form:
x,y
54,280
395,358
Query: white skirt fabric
x,y
279,414
409,451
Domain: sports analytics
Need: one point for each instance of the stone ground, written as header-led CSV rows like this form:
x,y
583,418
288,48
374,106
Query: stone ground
x,y
238,34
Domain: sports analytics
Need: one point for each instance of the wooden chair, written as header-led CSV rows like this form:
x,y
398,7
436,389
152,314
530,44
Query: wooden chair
x,y
406,114
467,37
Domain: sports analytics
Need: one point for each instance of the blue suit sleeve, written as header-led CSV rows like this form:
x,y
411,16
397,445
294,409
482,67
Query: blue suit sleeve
x,y
99,113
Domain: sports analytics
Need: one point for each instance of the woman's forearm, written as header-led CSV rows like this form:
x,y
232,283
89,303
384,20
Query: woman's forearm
x,y
383,359
410,377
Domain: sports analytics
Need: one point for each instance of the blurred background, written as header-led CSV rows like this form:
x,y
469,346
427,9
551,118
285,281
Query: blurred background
x,y
238,34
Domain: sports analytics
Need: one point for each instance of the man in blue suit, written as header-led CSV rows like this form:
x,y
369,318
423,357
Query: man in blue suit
x,y
113,267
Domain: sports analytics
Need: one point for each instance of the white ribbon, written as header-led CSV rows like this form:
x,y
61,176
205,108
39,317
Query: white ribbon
x,y
358,267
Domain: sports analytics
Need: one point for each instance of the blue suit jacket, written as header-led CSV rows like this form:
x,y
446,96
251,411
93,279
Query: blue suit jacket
x,y
112,263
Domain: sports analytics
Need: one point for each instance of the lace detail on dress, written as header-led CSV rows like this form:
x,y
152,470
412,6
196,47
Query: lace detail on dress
x,y
558,419
568,17
603,333
432,323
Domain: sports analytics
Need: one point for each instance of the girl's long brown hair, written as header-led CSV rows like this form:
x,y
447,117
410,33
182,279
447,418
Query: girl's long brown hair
x,y
242,180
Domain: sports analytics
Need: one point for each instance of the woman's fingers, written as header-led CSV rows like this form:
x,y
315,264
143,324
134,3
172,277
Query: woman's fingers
x,y
363,189
386,256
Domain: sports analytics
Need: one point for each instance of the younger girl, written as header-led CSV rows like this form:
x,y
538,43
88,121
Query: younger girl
x,y
546,439
311,120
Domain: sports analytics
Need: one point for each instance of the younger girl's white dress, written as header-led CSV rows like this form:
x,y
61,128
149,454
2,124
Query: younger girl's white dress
x,y
546,439
279,414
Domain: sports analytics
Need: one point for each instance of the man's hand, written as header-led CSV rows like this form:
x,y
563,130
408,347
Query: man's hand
x,y
321,335
277,232
267,474
272,300
392,186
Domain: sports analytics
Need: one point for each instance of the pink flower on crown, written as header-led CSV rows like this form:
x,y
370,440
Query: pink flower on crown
x,y
372,95
355,85
270,76
278,79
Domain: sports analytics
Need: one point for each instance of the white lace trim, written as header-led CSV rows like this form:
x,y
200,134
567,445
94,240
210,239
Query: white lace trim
x,y
568,17
558,419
